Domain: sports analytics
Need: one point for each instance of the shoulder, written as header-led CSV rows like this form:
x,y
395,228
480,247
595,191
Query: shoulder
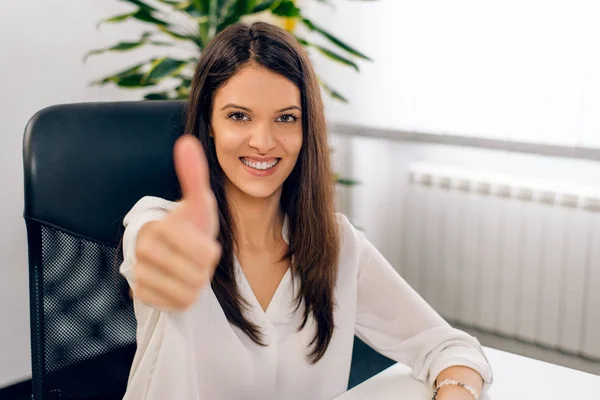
x,y
348,233
352,243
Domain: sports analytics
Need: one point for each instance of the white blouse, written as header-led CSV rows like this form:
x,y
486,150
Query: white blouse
x,y
198,354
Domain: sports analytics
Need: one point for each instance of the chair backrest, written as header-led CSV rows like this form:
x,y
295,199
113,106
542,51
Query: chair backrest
x,y
85,166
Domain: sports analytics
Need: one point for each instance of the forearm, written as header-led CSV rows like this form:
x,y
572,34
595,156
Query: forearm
x,y
465,375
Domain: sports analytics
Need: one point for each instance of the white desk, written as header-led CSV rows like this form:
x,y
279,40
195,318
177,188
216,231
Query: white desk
x,y
515,378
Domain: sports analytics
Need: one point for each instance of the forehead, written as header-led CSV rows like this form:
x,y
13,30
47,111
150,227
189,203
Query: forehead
x,y
257,88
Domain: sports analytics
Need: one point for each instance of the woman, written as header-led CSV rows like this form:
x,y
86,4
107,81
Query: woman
x,y
251,286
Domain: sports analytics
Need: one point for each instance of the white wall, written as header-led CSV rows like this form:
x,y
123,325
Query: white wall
x,y
513,69
41,47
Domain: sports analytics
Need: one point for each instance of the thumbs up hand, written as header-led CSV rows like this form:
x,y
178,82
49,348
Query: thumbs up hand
x,y
177,256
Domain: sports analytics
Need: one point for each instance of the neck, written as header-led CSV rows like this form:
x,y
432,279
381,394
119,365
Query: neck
x,y
258,221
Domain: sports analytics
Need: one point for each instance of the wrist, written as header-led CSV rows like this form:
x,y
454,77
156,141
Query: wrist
x,y
452,392
450,389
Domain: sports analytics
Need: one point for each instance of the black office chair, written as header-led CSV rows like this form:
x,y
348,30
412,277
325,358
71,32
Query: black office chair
x,y
85,166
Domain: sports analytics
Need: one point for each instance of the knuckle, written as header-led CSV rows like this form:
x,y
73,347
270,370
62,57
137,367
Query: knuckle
x,y
144,247
185,299
143,276
160,230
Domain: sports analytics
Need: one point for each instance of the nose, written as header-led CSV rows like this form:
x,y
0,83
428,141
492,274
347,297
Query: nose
x,y
262,138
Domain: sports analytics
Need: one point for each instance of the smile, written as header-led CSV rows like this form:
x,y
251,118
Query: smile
x,y
265,165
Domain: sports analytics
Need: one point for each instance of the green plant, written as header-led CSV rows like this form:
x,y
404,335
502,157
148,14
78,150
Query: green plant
x,y
192,24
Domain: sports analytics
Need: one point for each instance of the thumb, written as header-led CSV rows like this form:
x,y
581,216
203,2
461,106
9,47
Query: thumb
x,y
192,172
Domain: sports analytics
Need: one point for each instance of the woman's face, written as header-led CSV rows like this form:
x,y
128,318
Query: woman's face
x,y
256,124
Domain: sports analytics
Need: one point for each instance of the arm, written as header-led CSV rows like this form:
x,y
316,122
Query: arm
x,y
394,320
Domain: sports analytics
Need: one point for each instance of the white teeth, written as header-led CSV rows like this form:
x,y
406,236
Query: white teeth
x,y
260,165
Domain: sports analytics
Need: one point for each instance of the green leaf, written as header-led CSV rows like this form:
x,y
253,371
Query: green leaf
x,y
328,53
249,6
310,25
175,35
186,7
145,16
203,6
133,81
227,7
332,92
335,57
303,42
231,11
141,5
182,96
189,9
344,181
182,91
185,81
347,181
121,46
157,96
164,67
127,46
141,15
133,70
132,76
174,3
116,19
265,5
129,71
286,9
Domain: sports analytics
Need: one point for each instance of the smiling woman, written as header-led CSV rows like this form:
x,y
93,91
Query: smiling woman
x,y
251,286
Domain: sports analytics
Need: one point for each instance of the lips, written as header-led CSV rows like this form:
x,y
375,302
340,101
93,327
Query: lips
x,y
260,165
260,168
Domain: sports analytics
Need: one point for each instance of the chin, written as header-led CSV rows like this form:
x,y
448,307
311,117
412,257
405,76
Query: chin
x,y
259,190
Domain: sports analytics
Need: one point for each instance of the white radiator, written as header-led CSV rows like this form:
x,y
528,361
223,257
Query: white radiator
x,y
509,255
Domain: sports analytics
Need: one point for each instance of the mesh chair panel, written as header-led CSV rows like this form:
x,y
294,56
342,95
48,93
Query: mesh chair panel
x,y
88,317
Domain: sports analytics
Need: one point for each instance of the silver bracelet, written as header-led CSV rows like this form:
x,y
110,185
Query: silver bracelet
x,y
448,382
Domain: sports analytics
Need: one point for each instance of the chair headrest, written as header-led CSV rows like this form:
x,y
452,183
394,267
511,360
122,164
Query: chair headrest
x,y
87,164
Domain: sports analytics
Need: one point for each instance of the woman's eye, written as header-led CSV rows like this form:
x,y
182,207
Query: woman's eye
x,y
238,117
287,118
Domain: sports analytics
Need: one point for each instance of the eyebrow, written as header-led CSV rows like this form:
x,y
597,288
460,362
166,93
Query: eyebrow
x,y
231,105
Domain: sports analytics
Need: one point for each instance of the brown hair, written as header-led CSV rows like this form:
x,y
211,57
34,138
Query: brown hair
x,y
307,196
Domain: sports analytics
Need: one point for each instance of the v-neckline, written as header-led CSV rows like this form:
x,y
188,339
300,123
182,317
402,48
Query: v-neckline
x,y
275,299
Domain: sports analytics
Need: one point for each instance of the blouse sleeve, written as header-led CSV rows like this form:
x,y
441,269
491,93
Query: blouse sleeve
x,y
145,210
393,319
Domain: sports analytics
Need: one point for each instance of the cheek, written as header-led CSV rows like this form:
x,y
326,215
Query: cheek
x,y
292,143
228,140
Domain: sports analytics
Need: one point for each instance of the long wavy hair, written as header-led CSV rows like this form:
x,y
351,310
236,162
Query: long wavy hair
x,y
307,196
